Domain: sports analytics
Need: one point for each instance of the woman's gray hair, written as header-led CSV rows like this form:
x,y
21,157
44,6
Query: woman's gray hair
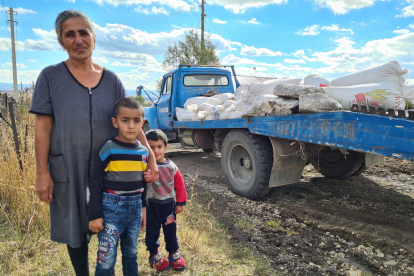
x,y
63,16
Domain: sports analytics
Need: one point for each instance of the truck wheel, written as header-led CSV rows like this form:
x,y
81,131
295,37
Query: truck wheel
x,y
246,160
335,164
146,127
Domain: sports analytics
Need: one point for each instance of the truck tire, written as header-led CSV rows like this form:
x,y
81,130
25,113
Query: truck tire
x,y
146,127
247,160
335,164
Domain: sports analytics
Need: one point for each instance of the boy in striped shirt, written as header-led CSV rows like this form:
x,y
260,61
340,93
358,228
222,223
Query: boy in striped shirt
x,y
117,201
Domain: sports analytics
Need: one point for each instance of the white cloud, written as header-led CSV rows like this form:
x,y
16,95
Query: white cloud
x,y
19,10
343,6
32,60
100,60
401,31
26,76
252,51
407,11
253,21
153,10
346,58
118,37
240,6
9,64
218,21
5,44
310,30
411,26
335,28
48,41
288,60
31,44
182,5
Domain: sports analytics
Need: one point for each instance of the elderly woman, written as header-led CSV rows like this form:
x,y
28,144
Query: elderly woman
x,y
73,102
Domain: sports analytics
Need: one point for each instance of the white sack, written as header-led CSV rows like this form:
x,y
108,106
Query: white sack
x,y
269,86
294,91
235,114
408,94
316,80
262,98
212,114
228,104
241,106
183,114
314,103
201,100
242,91
203,107
219,108
387,72
192,107
201,115
384,94
224,97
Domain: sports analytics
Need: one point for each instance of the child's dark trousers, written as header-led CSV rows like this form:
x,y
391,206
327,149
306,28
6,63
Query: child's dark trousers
x,y
161,215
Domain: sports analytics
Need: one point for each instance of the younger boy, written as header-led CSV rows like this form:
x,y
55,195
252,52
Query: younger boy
x,y
118,191
162,208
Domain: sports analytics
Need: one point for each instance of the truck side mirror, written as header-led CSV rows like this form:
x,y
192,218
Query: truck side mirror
x,y
139,90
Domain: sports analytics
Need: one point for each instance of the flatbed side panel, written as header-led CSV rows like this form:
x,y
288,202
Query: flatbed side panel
x,y
387,136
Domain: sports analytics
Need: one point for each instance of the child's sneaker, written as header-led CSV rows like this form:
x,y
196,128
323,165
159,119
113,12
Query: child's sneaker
x,y
176,261
159,262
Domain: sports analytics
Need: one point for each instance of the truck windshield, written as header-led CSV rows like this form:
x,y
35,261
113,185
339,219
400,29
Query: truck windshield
x,y
206,80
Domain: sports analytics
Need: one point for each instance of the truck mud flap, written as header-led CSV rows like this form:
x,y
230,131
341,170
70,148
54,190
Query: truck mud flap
x,y
289,159
373,159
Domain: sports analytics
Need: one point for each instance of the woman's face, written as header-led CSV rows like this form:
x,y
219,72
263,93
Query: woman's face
x,y
77,39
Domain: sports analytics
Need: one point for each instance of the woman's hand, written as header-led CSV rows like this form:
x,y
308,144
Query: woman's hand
x,y
44,187
44,183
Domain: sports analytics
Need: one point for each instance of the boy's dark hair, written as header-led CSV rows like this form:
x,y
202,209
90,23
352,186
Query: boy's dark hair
x,y
128,103
155,135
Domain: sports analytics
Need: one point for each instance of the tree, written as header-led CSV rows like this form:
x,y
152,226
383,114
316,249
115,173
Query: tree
x,y
191,52
139,98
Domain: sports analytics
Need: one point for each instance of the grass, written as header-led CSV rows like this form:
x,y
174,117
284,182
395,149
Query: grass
x,y
25,247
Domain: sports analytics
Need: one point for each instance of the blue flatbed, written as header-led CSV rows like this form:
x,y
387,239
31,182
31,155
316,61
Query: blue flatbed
x,y
355,131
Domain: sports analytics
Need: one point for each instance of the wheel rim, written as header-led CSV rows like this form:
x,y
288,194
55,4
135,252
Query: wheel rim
x,y
332,158
241,165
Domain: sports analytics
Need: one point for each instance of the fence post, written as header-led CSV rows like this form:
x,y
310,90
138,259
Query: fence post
x,y
14,128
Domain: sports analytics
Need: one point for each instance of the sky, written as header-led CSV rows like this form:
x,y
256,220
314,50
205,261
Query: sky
x,y
280,38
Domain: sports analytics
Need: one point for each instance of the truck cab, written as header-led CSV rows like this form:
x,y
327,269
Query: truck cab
x,y
182,83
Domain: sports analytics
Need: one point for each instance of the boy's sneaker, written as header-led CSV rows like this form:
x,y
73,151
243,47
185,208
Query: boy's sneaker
x,y
176,261
159,262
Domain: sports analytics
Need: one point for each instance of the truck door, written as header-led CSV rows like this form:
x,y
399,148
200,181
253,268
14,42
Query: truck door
x,y
163,106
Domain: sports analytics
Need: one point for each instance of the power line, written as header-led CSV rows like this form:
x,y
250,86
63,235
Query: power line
x,y
39,15
35,24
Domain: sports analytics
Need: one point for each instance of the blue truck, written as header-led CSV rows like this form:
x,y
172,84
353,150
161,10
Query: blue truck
x,y
258,153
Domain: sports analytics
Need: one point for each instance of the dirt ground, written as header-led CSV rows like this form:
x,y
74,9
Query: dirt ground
x,y
363,225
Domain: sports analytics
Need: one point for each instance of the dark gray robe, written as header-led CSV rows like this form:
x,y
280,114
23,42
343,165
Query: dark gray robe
x,y
81,126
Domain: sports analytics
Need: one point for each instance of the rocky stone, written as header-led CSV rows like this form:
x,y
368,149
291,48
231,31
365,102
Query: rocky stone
x,y
295,91
313,103
390,263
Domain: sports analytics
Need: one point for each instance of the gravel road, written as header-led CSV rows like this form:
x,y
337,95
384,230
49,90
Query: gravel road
x,y
363,225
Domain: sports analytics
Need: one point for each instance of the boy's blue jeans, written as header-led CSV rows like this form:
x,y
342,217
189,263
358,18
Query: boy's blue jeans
x,y
122,220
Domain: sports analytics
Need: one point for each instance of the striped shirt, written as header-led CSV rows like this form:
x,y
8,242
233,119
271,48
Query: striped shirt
x,y
118,170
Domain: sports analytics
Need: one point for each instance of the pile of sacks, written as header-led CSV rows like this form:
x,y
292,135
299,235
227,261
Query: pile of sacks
x,y
380,86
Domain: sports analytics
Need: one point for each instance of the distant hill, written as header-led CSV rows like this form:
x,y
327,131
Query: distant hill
x,y
8,87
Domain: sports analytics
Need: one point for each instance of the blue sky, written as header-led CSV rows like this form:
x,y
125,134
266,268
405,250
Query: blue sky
x,y
281,38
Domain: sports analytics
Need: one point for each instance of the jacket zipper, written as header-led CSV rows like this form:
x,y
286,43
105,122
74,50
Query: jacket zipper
x,y
90,129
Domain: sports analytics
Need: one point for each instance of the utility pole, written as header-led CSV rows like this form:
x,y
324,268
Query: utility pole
x,y
202,23
16,95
